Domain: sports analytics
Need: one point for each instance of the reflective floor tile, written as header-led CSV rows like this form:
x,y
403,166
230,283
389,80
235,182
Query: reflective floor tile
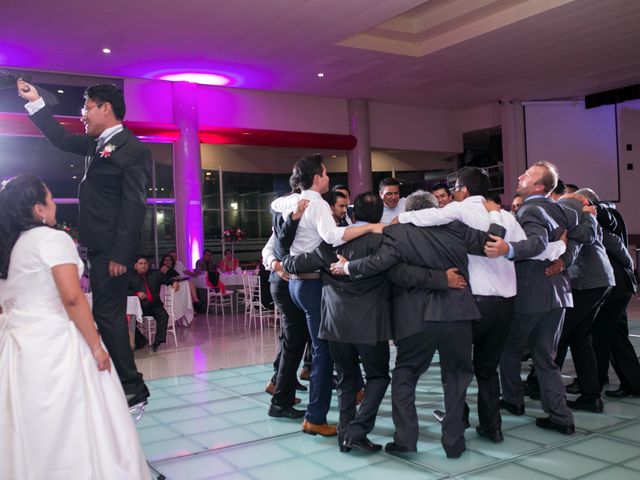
x,y
631,432
511,447
635,463
183,413
173,448
562,463
199,425
533,433
195,467
300,467
605,449
509,471
225,437
612,473
274,427
388,470
437,460
155,434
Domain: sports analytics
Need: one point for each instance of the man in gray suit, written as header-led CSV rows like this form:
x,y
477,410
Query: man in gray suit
x,y
541,300
425,320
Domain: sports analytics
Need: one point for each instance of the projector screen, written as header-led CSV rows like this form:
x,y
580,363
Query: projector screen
x,y
582,143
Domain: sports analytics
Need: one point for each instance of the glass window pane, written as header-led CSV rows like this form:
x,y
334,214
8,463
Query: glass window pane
x,y
162,155
165,227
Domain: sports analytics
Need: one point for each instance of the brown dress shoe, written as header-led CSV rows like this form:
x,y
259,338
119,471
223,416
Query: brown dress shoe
x,y
325,429
304,374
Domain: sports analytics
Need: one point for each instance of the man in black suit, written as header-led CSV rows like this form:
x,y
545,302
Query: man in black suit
x,y
112,208
146,285
541,300
426,319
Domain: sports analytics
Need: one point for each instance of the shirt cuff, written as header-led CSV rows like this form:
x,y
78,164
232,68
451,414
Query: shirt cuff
x,y
35,106
404,218
510,253
345,267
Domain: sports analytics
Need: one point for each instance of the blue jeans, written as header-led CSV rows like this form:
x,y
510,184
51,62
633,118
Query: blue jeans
x,y
307,295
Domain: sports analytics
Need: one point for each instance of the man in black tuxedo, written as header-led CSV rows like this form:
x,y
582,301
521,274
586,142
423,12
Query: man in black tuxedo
x,y
146,285
426,319
541,299
112,208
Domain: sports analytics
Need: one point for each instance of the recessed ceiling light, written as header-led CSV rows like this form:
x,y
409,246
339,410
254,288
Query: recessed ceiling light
x,y
333,156
106,50
208,174
74,177
200,78
320,74
60,91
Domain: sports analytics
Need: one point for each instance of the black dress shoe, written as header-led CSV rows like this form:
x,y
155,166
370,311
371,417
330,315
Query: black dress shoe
x,y
285,412
393,447
619,393
589,405
344,449
141,398
364,444
495,436
573,388
455,453
548,424
512,408
440,415
300,387
155,346
531,391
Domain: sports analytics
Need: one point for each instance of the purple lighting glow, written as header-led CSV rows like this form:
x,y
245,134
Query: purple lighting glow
x,y
199,78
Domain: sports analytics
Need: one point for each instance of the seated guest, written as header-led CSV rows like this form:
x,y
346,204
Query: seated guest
x,y
145,285
182,270
167,264
228,264
207,277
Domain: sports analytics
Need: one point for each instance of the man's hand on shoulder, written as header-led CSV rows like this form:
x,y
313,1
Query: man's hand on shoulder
x,y
337,268
300,208
496,247
116,269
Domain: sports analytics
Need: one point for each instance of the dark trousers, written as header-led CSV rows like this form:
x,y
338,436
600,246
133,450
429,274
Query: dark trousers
x,y
610,333
576,333
375,360
156,310
541,331
109,311
307,295
489,337
294,336
453,342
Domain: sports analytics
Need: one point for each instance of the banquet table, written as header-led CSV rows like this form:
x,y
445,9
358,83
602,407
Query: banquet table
x,y
234,279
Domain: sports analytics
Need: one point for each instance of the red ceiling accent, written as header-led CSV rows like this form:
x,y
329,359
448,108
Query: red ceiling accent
x,y
275,138
18,124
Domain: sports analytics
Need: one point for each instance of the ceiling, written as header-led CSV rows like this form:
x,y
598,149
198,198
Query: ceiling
x,y
439,53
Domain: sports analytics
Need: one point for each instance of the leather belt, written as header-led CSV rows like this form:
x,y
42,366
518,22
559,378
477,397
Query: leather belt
x,y
489,298
305,276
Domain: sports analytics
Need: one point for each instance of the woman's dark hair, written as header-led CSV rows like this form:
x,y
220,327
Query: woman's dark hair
x,y
173,264
17,198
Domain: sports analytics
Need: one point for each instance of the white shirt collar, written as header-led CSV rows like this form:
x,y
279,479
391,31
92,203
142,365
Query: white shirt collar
x,y
108,133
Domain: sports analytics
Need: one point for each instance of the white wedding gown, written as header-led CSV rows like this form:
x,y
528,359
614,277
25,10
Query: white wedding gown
x,y
60,418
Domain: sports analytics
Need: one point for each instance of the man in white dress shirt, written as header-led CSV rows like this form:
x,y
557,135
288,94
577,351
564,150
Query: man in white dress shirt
x,y
316,225
389,189
493,284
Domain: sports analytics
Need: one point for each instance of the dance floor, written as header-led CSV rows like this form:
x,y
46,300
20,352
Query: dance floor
x,y
211,422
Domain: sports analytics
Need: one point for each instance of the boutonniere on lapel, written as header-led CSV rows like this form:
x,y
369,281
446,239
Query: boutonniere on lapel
x,y
107,150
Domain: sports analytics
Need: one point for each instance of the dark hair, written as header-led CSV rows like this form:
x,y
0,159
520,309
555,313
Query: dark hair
x,y
108,93
388,182
305,169
368,207
170,258
332,197
560,189
475,180
17,198
139,257
440,186
206,250
495,197
571,187
341,187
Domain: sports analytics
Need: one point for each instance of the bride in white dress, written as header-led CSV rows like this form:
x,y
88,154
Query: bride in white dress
x,y
63,413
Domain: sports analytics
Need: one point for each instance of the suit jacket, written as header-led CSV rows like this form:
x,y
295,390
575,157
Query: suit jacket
x,y
155,279
621,262
591,268
437,248
285,233
113,191
352,311
543,220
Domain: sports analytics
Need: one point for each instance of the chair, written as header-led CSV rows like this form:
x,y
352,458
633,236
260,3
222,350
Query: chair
x,y
241,295
255,308
219,300
148,325
169,295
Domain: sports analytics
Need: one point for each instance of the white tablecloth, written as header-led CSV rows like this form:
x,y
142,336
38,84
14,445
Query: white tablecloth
x,y
182,304
133,306
233,278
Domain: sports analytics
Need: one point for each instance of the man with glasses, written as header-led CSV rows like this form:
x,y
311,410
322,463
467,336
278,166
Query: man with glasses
x,y
112,201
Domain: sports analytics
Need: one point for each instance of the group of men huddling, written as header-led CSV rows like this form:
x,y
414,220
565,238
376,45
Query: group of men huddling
x,y
470,280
